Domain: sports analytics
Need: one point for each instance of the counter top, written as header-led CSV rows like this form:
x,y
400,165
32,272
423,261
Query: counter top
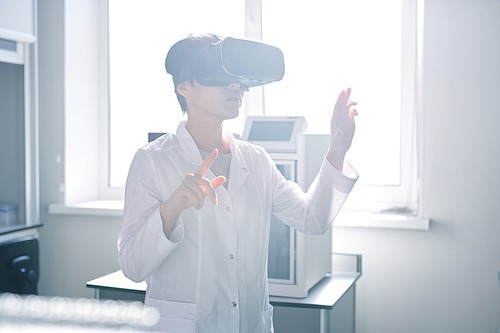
x,y
323,295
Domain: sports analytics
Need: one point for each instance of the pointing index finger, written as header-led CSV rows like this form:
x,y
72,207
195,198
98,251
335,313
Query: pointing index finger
x,y
205,165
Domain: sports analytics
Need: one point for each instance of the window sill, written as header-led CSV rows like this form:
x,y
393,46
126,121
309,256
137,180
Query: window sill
x,y
381,221
114,208
110,208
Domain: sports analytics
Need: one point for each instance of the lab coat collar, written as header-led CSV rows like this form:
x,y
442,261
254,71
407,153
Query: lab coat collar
x,y
188,145
238,168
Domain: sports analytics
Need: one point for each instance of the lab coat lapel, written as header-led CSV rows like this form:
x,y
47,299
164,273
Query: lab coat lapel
x,y
189,148
238,169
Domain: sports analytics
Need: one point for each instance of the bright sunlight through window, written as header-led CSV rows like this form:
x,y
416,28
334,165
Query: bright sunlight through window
x,y
328,46
142,97
332,45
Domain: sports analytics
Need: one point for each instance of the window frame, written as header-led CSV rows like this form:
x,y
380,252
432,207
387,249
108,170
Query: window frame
x,y
395,197
406,198
406,195
254,105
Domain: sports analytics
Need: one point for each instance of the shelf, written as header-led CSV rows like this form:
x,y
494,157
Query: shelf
x,y
18,227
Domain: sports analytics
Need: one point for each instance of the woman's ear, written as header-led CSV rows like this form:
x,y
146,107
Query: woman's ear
x,y
184,88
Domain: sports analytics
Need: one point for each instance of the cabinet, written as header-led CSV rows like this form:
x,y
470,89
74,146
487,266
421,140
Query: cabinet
x,y
19,176
296,261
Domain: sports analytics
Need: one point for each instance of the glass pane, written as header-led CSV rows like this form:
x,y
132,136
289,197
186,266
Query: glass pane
x,y
329,46
12,147
280,239
8,45
279,250
142,97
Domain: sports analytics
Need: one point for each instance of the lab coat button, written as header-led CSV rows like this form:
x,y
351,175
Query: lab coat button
x,y
234,304
228,209
231,256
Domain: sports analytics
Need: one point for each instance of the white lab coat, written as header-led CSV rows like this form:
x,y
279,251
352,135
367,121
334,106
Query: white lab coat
x,y
211,275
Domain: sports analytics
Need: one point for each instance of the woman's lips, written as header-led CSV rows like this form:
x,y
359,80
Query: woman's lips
x,y
235,99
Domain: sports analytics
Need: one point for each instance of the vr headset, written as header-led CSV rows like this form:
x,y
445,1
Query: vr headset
x,y
230,60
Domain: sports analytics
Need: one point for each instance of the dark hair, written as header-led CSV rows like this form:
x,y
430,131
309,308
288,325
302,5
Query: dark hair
x,y
184,53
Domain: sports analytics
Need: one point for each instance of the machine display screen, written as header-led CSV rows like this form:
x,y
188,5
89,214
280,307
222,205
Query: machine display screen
x,y
271,131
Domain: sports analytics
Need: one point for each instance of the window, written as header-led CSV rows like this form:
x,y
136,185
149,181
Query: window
x,y
366,45
328,46
142,95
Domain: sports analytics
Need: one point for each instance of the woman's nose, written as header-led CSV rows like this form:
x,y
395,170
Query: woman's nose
x,y
234,86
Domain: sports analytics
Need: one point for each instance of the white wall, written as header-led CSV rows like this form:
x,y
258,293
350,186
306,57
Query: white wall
x,y
17,16
445,279
441,280
73,249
